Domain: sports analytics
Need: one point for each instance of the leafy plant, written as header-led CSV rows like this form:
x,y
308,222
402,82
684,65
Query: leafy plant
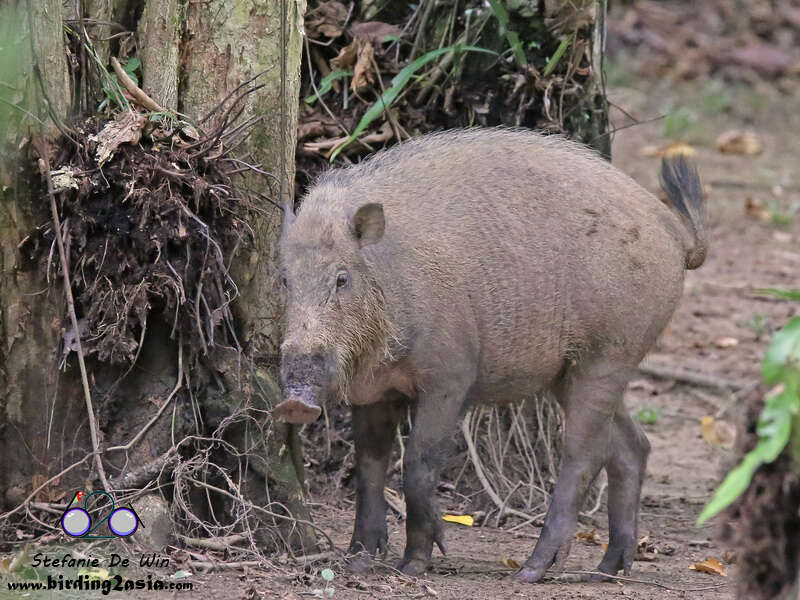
x,y
716,98
780,419
781,217
512,37
111,88
398,83
553,62
327,83
678,121
758,324
648,415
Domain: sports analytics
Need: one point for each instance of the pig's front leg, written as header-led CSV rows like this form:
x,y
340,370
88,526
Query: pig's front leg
x,y
429,444
373,434
591,397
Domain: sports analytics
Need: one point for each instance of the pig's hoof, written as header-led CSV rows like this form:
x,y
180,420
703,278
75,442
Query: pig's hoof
x,y
618,557
529,574
412,566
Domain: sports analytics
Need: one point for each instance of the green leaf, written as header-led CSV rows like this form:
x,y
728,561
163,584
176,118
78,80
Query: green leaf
x,y
399,82
734,485
181,574
132,64
648,415
327,83
501,14
553,62
785,294
783,353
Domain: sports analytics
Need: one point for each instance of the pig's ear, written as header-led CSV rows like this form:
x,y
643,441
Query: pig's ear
x,y
368,224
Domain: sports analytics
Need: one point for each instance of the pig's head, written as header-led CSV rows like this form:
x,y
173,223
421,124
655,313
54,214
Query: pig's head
x,y
336,322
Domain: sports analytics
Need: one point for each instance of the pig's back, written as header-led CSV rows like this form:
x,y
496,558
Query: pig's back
x,y
539,246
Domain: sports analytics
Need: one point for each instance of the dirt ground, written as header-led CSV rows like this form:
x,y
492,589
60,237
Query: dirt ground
x,y
748,250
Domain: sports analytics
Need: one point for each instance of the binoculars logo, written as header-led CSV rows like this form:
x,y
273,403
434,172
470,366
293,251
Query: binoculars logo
x,y
76,521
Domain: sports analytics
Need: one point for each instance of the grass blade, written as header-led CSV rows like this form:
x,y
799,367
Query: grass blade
x,y
511,36
554,60
327,83
399,82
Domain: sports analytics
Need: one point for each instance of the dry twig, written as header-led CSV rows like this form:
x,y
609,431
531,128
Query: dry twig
x,y
138,93
43,148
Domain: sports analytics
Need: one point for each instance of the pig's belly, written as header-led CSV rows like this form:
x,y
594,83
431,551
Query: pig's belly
x,y
501,386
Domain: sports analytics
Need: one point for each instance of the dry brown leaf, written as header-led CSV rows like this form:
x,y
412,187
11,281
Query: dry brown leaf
x,y
363,74
511,563
718,433
588,537
739,142
375,31
126,128
346,57
327,19
646,550
726,342
710,565
754,208
668,150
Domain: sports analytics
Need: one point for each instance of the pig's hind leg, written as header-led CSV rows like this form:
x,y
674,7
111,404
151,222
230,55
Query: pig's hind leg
x,y
373,434
591,394
625,468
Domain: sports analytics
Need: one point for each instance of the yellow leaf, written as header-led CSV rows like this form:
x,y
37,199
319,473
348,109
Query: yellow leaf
x,y
511,563
588,537
739,142
460,519
5,565
707,428
718,433
710,565
754,208
97,574
668,150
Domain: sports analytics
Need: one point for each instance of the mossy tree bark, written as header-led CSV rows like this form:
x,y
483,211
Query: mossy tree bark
x,y
35,411
193,55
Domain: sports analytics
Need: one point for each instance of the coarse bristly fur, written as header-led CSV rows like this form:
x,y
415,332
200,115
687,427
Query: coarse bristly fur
x,y
365,333
485,266
363,338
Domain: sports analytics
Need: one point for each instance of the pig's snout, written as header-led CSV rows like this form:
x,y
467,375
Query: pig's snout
x,y
305,381
298,408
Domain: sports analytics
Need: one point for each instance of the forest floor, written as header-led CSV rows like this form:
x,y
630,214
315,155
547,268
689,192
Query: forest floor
x,y
721,329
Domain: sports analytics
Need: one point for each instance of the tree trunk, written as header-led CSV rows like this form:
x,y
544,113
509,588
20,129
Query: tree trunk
x,y
193,55
37,408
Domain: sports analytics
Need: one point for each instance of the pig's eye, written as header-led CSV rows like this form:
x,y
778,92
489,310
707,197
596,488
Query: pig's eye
x,y
342,279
